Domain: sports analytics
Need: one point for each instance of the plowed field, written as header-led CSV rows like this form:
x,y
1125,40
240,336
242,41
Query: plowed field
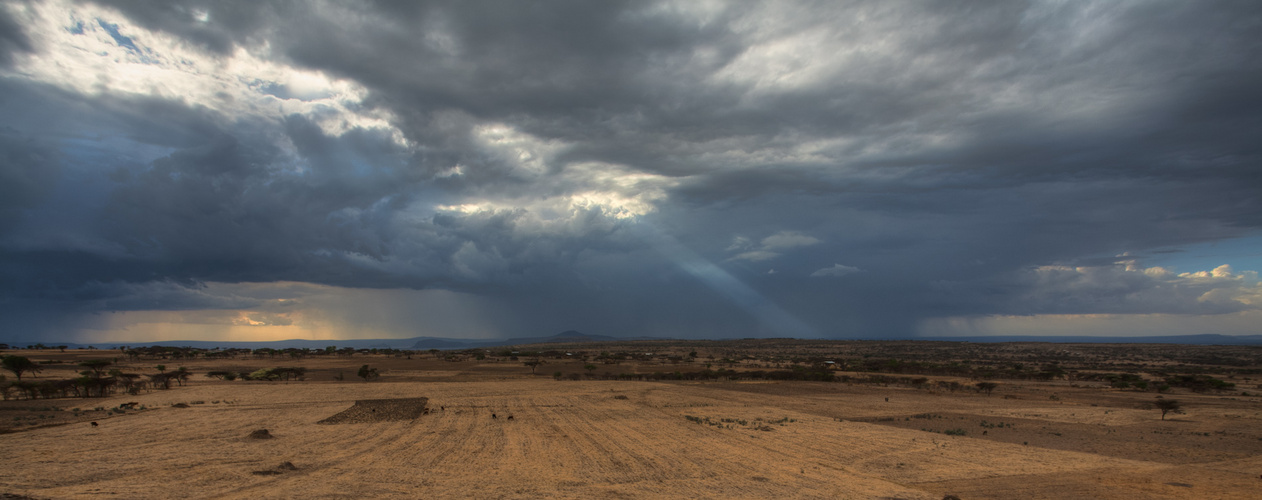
x,y
614,439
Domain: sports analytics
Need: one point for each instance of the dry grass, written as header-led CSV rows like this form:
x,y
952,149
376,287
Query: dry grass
x,y
580,439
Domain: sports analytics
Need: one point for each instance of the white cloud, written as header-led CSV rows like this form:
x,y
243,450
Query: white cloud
x,y
248,83
739,243
755,256
836,271
788,239
770,247
1127,288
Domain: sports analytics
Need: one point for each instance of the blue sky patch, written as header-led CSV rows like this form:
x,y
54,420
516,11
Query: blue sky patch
x,y
121,40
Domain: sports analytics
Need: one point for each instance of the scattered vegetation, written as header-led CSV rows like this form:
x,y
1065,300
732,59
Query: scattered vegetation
x,y
282,373
957,365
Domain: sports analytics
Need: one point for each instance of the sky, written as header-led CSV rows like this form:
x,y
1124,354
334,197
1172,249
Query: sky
x,y
265,170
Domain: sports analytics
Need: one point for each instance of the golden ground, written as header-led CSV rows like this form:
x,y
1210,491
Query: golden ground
x,y
632,439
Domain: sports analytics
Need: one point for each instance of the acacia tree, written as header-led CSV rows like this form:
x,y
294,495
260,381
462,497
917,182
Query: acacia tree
x,y
19,365
219,374
161,379
181,375
987,387
97,366
1167,406
533,364
367,373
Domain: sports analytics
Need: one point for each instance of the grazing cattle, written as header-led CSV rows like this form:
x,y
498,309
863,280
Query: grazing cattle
x,y
510,417
94,424
493,416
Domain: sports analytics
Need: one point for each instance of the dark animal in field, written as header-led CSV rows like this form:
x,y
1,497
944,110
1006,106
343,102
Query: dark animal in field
x,y
94,424
510,417
493,416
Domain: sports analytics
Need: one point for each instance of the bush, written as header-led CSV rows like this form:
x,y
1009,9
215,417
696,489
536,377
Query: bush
x,y
260,374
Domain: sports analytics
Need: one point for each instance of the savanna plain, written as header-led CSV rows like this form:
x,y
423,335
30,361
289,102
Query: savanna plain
x,y
651,419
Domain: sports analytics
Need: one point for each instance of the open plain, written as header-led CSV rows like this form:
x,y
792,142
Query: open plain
x,y
628,421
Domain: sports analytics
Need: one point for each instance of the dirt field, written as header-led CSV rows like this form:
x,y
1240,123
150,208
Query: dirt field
x,y
621,439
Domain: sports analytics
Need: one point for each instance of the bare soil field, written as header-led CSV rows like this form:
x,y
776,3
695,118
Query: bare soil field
x,y
490,428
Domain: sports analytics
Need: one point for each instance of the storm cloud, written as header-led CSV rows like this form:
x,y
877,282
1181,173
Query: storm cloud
x,y
681,169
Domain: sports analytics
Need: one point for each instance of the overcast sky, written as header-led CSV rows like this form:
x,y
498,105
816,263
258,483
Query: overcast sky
x,y
267,170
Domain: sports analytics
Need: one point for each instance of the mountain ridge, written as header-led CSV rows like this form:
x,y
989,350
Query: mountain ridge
x,y
574,336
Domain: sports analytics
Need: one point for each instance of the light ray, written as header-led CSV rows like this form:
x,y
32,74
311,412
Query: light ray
x,y
774,318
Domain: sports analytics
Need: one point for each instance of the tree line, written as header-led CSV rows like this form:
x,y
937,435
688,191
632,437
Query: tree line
x,y
96,380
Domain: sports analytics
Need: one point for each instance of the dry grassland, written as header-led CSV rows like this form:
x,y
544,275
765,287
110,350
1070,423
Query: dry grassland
x,y
624,439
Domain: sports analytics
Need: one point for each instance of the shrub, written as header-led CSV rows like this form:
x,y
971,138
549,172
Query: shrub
x,y
260,374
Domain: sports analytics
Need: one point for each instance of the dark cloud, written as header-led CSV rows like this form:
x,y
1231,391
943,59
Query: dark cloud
x,y
12,38
630,167
27,172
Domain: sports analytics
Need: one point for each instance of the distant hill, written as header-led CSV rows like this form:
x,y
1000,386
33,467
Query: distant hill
x,y
568,336
575,337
